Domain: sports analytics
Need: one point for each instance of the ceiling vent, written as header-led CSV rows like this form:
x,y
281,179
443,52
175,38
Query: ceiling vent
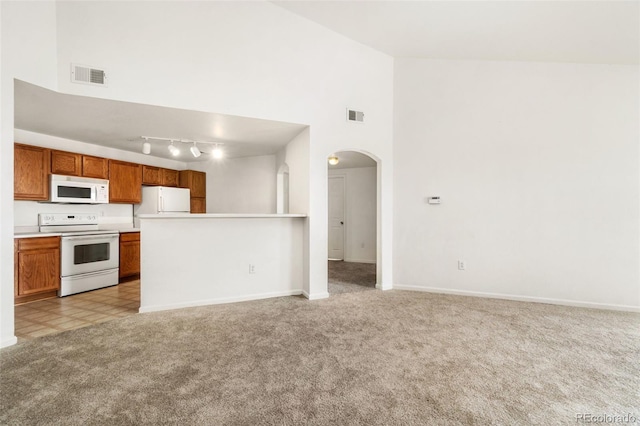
x,y
355,116
85,74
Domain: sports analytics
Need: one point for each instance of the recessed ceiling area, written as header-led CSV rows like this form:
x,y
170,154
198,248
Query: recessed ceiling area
x,y
120,125
604,32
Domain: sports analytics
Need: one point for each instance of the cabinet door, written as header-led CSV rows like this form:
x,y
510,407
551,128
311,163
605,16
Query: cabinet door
x,y
129,254
66,163
38,265
151,175
95,167
38,271
199,185
169,177
31,173
198,205
125,182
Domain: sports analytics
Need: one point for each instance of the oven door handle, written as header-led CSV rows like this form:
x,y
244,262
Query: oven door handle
x,y
94,237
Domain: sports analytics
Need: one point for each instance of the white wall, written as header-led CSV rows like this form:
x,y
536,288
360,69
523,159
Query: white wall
x,y
27,52
208,260
241,185
360,213
296,156
537,167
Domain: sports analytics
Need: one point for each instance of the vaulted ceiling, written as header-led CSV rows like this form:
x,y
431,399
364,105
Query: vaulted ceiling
x,y
603,32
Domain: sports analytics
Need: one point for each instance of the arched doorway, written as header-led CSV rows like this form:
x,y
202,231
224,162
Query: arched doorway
x,y
353,212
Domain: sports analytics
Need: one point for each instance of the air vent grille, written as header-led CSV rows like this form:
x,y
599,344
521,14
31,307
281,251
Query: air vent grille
x,y
88,75
355,116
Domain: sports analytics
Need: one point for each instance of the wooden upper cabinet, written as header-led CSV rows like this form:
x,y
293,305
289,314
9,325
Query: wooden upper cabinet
x,y
66,163
125,182
198,205
31,172
72,164
95,167
169,177
151,175
195,181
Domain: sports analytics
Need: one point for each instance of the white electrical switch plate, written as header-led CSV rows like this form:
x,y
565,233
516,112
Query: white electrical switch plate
x,y
434,200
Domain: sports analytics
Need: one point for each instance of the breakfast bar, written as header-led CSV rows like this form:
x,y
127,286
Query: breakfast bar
x,y
201,259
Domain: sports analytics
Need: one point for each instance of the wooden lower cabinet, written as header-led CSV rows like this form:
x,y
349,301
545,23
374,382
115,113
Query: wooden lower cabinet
x,y
129,254
37,268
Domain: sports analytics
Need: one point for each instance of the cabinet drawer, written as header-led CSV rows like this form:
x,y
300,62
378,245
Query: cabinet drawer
x,y
38,243
130,236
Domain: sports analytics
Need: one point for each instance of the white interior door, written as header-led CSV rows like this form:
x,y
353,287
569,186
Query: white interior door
x,y
336,217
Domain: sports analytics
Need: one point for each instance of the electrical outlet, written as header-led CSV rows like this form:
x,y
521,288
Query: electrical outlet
x,y
462,265
362,245
252,268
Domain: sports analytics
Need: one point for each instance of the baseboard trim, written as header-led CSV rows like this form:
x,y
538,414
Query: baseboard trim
x,y
562,302
219,301
384,287
9,342
315,296
360,261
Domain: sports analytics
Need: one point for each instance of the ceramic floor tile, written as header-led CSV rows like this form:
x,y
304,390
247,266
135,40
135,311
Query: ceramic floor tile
x,y
43,317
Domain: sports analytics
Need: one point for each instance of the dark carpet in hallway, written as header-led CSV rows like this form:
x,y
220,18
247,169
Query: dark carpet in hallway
x,y
349,277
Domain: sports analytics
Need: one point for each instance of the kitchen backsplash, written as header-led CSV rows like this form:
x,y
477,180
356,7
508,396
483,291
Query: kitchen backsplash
x,y
110,216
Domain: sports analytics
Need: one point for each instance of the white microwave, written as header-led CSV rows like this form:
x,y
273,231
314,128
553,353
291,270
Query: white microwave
x,y
78,190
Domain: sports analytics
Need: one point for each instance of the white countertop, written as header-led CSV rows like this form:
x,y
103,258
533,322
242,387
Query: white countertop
x,y
219,216
36,234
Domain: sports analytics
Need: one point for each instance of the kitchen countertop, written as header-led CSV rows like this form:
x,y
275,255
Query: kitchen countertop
x,y
36,234
219,216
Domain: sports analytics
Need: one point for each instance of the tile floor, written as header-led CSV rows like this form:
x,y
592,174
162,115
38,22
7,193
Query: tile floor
x,y
50,316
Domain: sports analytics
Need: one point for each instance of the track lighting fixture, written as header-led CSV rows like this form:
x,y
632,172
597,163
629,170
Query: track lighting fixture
x,y
216,153
195,151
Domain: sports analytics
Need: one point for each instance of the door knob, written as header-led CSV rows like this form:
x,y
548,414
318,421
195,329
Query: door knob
x,y
341,223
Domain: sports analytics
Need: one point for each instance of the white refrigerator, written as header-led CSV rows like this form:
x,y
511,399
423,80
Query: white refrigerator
x,y
161,200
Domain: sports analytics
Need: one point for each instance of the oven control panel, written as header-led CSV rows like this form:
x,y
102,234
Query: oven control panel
x,y
67,219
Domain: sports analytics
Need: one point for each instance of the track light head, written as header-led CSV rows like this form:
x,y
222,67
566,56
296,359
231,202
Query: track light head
x,y
217,153
195,151
173,149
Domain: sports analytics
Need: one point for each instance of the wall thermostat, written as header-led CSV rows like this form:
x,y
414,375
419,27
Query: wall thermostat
x,y
433,200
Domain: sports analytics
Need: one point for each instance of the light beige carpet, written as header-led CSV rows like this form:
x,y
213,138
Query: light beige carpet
x,y
367,358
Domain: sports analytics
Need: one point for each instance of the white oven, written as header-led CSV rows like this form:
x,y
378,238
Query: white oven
x,y
89,257
88,262
78,190
81,254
